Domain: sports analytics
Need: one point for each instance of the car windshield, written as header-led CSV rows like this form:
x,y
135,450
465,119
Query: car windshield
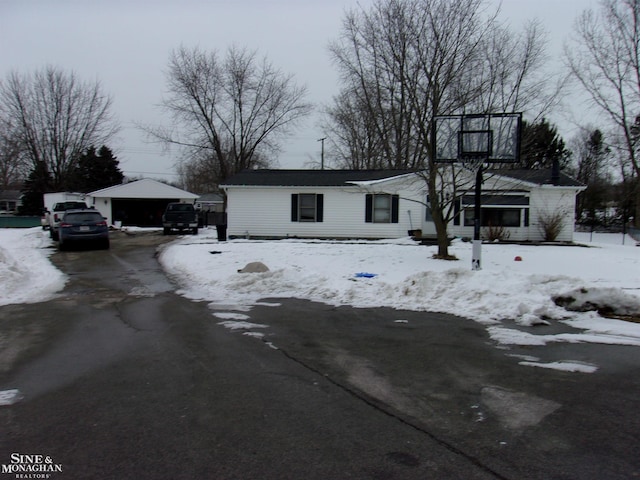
x,y
83,217
181,207
59,207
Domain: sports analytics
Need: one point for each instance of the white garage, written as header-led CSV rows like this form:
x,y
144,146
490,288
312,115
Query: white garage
x,y
140,203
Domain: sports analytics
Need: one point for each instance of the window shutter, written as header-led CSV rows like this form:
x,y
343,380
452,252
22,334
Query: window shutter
x,y
368,211
319,207
395,207
294,207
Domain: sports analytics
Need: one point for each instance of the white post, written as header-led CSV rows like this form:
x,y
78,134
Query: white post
x,y
476,255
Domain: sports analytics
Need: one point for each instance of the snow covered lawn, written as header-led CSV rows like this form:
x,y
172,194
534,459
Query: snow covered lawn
x,y
507,296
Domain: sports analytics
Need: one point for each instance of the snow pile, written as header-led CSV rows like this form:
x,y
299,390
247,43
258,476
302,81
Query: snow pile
x,y
404,276
507,296
26,274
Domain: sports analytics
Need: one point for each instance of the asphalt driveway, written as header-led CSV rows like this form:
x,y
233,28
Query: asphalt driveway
x,y
122,378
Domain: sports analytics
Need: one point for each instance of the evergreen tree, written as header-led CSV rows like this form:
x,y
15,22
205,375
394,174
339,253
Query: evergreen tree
x,y
95,170
36,185
542,146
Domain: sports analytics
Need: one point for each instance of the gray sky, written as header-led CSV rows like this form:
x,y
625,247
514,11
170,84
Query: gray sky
x,y
125,45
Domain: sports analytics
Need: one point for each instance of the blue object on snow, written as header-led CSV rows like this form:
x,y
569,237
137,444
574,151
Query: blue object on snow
x,y
365,275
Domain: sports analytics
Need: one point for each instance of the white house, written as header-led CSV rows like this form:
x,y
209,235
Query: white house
x,y
139,203
390,204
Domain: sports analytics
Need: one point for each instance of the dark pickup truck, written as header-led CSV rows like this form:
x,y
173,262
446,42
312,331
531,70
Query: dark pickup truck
x,y
180,216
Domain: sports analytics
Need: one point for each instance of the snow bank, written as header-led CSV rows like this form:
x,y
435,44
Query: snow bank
x,y
406,277
506,294
26,274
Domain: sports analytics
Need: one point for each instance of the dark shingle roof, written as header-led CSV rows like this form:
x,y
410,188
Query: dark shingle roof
x,y
538,177
309,178
10,194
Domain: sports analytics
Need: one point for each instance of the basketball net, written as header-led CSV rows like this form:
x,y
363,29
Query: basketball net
x,y
472,163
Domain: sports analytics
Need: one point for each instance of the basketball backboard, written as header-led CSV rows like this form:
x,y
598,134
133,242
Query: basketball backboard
x,y
492,138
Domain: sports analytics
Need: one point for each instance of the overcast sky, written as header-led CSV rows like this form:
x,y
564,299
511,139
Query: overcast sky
x,y
125,45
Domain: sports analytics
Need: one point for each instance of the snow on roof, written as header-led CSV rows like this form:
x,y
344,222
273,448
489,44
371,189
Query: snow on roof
x,y
310,178
145,188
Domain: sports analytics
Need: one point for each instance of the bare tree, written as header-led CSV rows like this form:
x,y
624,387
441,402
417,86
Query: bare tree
x,y
14,168
604,57
229,113
55,117
353,142
403,62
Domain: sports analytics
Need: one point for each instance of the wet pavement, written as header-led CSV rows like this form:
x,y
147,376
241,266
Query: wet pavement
x,y
122,378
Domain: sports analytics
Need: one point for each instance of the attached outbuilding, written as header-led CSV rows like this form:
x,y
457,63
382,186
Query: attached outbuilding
x,y
139,203
373,204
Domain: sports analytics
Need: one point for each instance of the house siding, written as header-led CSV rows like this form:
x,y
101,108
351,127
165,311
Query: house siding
x,y
266,212
260,211
543,202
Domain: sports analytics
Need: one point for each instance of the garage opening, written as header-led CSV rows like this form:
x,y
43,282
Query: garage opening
x,y
139,212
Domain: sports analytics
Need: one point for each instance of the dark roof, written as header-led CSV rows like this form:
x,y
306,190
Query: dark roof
x,y
538,177
309,178
10,194
210,197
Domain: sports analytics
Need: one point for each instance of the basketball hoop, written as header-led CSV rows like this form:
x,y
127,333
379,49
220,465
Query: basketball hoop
x,y
471,140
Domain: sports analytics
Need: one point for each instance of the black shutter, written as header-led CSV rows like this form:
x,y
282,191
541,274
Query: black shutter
x,y
319,206
368,210
395,207
294,207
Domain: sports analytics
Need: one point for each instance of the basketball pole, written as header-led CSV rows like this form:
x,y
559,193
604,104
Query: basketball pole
x,y
476,254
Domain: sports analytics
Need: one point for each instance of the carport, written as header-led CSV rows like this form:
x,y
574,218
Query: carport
x,y
140,203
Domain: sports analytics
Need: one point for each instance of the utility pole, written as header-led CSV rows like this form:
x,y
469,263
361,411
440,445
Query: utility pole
x,y
322,152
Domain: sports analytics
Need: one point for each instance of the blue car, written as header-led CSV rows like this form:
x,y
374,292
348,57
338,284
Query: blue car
x,y
83,227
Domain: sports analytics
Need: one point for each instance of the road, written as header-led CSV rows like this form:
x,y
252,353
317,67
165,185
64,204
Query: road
x,y
123,378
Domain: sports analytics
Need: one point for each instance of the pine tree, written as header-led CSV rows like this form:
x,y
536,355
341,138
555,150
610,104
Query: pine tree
x,y
37,184
95,170
541,146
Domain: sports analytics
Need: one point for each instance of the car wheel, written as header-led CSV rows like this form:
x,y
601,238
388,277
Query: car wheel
x,y
166,231
195,231
55,235
106,244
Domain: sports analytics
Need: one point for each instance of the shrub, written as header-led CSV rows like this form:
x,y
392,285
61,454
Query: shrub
x,y
550,225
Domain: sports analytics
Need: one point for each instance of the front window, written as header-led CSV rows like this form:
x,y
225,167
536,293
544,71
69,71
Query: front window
x,y
494,217
382,209
307,207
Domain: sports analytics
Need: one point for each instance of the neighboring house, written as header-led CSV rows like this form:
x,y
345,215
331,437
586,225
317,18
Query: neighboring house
x,y
139,203
10,201
210,202
388,204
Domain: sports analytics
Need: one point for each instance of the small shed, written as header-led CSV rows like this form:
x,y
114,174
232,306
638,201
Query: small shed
x,y
139,203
